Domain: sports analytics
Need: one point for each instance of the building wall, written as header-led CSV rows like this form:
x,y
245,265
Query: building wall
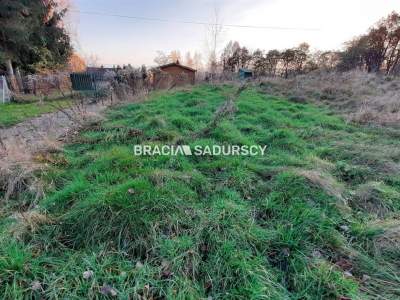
x,y
173,76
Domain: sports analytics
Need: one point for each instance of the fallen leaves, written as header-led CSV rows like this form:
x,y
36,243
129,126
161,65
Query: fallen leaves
x,y
87,275
36,286
108,290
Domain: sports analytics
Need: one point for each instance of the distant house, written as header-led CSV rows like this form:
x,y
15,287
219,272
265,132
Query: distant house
x,y
245,73
173,74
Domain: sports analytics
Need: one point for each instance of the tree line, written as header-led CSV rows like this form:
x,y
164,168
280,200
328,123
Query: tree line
x,y
273,62
193,61
376,51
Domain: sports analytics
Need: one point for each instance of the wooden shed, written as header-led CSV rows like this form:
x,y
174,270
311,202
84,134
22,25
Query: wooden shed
x,y
173,74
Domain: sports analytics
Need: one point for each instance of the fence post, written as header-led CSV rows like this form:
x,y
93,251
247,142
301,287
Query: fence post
x,y
3,89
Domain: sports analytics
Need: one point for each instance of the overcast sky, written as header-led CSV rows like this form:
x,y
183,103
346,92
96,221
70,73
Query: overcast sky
x,y
117,40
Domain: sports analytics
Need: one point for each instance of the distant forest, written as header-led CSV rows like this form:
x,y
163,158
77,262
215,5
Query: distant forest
x,y
378,50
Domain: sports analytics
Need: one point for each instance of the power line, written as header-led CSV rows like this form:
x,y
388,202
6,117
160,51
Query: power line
x,y
192,22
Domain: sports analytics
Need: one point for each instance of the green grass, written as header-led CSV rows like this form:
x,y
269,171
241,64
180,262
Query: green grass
x,y
287,225
14,113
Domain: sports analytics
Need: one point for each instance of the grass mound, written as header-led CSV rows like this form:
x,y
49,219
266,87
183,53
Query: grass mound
x,y
226,227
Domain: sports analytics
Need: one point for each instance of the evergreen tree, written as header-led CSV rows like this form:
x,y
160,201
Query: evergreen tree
x,y
31,35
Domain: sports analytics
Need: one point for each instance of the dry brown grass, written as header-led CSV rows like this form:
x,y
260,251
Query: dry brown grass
x,y
388,240
23,156
328,183
360,97
17,171
28,221
374,198
124,92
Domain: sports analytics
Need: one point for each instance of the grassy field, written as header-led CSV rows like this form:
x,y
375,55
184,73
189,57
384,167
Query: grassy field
x,y
315,218
13,113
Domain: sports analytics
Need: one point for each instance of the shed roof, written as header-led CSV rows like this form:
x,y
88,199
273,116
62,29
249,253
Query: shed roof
x,y
245,70
177,64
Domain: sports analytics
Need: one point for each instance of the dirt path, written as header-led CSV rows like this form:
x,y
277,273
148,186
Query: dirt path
x,y
33,134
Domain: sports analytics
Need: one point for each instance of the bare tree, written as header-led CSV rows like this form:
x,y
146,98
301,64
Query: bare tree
x,y
378,50
174,56
197,61
272,60
214,35
288,58
327,60
231,56
244,57
189,60
162,58
259,63
301,55
92,60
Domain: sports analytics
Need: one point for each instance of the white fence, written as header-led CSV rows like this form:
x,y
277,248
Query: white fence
x,y
5,94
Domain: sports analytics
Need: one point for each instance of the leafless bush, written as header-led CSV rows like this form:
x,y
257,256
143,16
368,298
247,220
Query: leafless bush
x,y
129,84
121,90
